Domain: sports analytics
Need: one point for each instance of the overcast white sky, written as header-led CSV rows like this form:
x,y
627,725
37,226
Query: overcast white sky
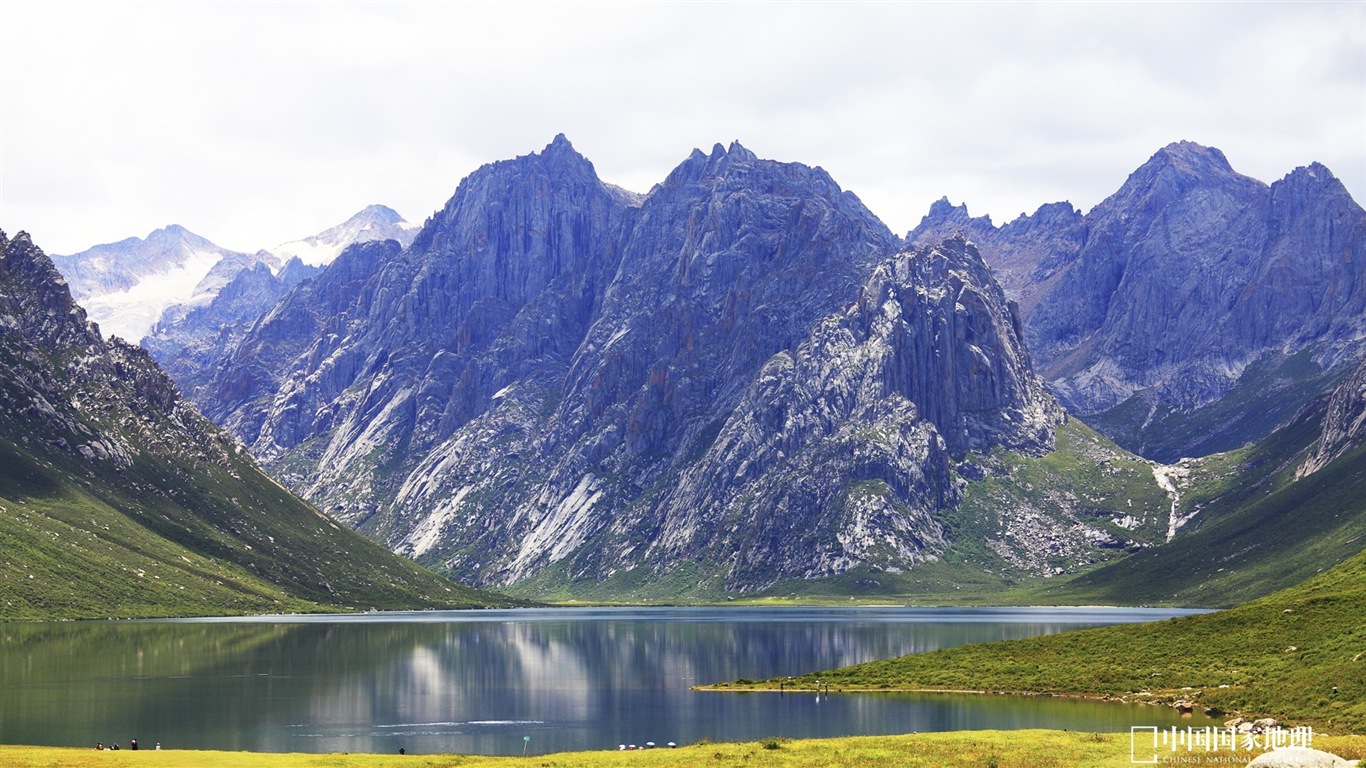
x,y
253,123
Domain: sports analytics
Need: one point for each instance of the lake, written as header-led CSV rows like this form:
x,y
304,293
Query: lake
x,y
504,681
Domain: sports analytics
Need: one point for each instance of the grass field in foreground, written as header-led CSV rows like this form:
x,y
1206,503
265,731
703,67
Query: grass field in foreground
x,y
981,749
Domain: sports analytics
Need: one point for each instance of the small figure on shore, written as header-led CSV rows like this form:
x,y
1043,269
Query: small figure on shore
x,y
132,743
402,751
158,745
99,746
116,745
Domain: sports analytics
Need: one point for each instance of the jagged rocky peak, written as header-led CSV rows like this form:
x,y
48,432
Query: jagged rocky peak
x,y
731,258
1174,171
377,214
699,165
1189,158
499,284
511,188
561,151
1291,195
960,351
1050,217
945,214
374,222
1173,174
294,270
37,302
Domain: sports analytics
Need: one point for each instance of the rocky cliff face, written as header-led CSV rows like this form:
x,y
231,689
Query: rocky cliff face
x,y
1154,306
732,380
839,453
1344,424
391,348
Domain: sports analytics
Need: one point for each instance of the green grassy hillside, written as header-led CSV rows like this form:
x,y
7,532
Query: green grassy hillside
x,y
162,540
1298,654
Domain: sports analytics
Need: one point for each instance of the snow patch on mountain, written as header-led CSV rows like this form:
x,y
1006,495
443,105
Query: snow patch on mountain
x,y
131,313
376,222
131,286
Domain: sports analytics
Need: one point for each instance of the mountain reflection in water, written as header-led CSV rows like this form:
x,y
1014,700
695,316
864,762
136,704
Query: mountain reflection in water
x,y
480,682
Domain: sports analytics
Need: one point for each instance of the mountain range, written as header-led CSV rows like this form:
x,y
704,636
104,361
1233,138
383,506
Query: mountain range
x,y
1192,311
734,380
743,383
738,380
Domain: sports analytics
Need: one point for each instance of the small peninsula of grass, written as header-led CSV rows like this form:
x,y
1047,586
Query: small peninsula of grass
x,y
1002,749
1298,655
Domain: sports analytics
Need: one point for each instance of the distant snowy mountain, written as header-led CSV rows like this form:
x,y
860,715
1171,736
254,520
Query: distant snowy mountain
x,y
376,222
140,285
125,286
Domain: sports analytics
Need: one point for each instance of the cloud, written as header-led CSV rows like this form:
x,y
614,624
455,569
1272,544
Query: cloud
x,y
257,123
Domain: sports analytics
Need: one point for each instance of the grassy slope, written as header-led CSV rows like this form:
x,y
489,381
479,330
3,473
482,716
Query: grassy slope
x,y
168,540
1280,655
980,749
1257,529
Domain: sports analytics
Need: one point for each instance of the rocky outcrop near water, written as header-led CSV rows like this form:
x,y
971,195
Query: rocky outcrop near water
x,y
732,380
1300,757
1194,309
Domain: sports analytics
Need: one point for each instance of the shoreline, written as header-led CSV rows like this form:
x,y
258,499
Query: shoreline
x,y
1158,699
914,750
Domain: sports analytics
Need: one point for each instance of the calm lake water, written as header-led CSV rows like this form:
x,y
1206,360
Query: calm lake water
x,y
485,681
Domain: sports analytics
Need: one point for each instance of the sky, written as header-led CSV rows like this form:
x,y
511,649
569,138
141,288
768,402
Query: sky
x,y
255,123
